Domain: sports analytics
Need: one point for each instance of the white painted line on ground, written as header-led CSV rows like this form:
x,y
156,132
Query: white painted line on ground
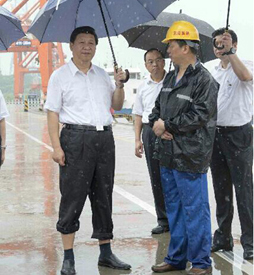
x,y
31,137
135,200
238,262
238,258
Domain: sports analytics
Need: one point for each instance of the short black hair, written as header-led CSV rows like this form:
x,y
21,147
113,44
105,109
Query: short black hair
x,y
223,30
152,50
182,43
83,29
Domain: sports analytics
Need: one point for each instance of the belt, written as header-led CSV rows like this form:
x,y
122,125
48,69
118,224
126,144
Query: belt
x,y
86,127
226,129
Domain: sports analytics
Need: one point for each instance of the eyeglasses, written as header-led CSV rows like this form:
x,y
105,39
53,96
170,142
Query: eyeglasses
x,y
156,61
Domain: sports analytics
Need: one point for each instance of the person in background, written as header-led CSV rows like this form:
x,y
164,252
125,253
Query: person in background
x,y
145,99
80,95
184,120
232,159
3,114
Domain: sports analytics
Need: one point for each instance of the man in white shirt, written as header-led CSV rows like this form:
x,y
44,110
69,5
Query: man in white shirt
x,y
3,114
145,99
232,157
80,96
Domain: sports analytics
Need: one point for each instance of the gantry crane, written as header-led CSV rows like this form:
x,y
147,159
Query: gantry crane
x,y
48,56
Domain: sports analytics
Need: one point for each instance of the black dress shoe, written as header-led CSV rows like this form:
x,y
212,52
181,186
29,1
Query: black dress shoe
x,y
248,254
217,247
159,229
113,262
68,267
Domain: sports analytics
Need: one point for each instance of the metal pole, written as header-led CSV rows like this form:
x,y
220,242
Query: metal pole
x,y
106,28
227,25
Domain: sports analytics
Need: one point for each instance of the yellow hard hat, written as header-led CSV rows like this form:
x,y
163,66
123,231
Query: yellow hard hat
x,y
181,30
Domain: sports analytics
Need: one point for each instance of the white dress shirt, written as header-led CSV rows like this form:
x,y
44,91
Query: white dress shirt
x,y
3,109
79,98
235,97
147,94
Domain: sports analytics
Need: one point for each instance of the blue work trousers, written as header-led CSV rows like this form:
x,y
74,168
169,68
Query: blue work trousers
x,y
187,206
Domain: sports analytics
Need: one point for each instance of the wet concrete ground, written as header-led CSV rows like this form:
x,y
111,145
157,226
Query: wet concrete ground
x,y
29,199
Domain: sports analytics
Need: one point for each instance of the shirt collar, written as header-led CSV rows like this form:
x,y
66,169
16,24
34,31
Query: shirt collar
x,y
150,80
219,67
74,69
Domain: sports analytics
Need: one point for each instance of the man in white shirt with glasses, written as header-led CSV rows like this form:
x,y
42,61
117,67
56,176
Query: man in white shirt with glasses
x,y
144,103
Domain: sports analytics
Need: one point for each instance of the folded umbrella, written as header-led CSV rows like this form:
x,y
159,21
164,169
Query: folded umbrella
x,y
150,35
10,29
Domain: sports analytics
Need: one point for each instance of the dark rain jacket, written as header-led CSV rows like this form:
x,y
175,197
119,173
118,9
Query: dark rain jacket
x,y
189,110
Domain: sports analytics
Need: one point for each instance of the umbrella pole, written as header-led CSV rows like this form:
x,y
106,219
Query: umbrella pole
x,y
226,29
110,43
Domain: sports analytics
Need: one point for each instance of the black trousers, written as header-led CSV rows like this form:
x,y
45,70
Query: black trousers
x,y
153,165
89,170
231,164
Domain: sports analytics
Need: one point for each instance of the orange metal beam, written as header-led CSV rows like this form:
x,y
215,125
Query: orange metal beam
x,y
46,66
20,49
30,11
32,46
18,75
29,61
26,58
21,5
2,2
43,2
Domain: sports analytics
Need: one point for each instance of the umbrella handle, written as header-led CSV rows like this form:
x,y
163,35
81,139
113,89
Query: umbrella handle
x,y
217,47
127,74
214,42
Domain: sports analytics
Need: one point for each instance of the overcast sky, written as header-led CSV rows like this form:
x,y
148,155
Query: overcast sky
x,y
212,11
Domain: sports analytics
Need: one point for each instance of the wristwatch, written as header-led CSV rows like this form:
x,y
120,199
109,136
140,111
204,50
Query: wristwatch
x,y
4,146
231,51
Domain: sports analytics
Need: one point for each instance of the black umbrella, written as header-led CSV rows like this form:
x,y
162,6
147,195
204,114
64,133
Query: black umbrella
x,y
10,29
150,35
58,18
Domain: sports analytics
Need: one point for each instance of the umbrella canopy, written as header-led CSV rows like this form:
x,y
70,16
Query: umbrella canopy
x,y
55,23
150,35
10,29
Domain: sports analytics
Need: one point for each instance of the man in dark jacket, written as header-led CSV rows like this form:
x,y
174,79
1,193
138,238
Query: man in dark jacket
x,y
184,119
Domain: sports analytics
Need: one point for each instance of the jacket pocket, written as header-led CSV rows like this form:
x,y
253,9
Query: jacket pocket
x,y
192,143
